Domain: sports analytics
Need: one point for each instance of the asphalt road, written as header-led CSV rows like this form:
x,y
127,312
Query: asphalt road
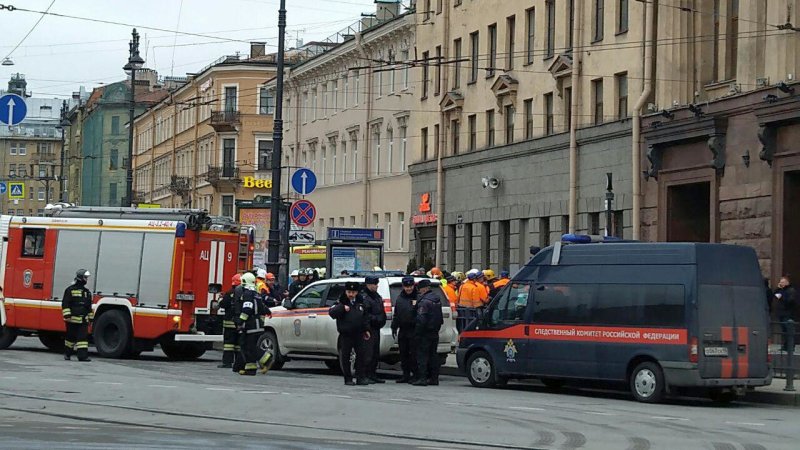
x,y
151,402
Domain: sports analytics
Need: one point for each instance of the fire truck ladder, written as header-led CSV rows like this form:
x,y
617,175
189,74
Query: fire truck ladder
x,y
195,219
245,248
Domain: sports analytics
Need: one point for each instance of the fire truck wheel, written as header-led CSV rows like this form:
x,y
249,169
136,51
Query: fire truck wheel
x,y
7,337
53,341
112,334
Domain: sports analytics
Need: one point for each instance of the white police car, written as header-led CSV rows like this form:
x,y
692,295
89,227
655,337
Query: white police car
x,y
302,328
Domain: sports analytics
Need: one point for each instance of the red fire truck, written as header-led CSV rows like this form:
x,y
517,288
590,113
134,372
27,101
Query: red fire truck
x,y
156,274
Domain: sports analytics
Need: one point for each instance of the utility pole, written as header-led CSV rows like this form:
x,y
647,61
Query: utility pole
x,y
63,124
273,249
135,62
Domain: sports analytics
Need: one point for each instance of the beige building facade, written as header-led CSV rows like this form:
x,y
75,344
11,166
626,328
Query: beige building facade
x,y
347,117
522,108
206,144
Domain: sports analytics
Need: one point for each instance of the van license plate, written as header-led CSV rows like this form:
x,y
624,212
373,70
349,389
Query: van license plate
x,y
715,351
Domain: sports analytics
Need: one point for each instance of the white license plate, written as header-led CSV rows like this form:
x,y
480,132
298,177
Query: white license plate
x,y
715,351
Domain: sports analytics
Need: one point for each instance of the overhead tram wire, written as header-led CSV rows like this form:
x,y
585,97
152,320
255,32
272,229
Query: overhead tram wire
x,y
46,11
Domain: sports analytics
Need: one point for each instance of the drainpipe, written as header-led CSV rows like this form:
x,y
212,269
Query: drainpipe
x,y
573,120
442,139
647,89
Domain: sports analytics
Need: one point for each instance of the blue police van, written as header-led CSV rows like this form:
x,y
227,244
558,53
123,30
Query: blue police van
x,y
661,317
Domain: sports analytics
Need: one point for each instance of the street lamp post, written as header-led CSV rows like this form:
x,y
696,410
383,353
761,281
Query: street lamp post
x,y
277,155
135,62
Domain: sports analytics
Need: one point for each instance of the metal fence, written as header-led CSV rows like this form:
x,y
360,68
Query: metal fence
x,y
782,349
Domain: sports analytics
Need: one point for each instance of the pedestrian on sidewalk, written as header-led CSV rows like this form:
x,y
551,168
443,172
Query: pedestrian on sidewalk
x,y
429,322
403,323
230,338
377,319
787,307
76,308
352,323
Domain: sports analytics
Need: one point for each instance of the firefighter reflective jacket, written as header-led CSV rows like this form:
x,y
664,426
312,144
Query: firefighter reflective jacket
x,y
76,306
253,308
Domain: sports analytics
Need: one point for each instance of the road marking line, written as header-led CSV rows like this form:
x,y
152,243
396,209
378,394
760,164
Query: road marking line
x,y
218,389
752,424
9,378
77,428
337,396
525,408
113,383
258,392
399,400
452,403
160,386
56,380
598,413
670,418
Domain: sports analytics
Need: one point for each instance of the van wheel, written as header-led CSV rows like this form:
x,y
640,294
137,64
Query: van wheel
x,y
482,372
7,337
553,383
268,342
647,382
721,396
53,341
112,334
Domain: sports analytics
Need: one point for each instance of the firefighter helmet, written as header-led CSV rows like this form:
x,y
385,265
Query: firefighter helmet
x,y
236,280
82,274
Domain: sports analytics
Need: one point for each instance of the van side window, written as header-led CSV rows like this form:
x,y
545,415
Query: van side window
x,y
511,304
33,242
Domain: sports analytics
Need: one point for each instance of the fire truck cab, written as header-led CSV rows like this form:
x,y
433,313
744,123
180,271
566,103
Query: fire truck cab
x,y
156,274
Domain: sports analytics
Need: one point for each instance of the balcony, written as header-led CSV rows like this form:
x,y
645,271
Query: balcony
x,y
225,121
44,157
180,185
224,177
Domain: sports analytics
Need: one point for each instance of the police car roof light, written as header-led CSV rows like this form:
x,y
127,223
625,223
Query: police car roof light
x,y
573,238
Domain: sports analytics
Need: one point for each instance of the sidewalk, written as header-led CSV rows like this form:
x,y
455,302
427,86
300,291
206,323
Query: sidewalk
x,y
772,394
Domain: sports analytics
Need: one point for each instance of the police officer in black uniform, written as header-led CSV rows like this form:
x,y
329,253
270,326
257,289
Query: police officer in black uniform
x,y
403,323
352,323
249,322
377,319
429,321
76,307
230,338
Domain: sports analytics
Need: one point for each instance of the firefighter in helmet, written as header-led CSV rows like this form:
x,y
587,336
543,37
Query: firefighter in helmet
x,y
250,323
230,341
76,307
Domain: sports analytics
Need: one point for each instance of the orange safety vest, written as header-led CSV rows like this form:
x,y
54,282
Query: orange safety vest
x,y
473,295
500,283
451,294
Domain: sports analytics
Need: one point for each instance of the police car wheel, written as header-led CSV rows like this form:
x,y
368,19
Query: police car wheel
x,y
647,382
7,337
481,370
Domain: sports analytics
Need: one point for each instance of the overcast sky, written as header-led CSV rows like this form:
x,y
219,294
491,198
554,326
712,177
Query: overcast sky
x,y
64,53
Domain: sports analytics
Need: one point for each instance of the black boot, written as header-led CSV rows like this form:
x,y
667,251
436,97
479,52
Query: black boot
x,y
420,382
376,380
404,379
433,381
66,356
362,382
349,383
225,366
85,359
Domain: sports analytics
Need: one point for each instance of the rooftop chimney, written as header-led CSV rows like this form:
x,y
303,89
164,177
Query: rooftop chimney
x,y
258,49
387,9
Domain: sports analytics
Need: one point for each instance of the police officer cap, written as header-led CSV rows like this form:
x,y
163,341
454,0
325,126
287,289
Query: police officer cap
x,y
424,283
352,286
408,281
371,280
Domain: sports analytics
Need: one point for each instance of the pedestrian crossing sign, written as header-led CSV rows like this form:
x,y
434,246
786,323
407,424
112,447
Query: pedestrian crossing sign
x,y
16,190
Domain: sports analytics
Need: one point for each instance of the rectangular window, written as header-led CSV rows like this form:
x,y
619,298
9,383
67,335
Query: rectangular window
x,y
436,141
594,223
438,6
305,107
226,209
357,87
403,148
228,157
392,79
599,11
344,160
265,148
324,166
564,224
597,95
490,128
401,217
548,114
376,136
511,24
113,159
334,166
424,138
732,40
492,50
530,35
13,149
387,225
33,240
389,150
354,146
473,56
22,149
622,95
619,224
550,40
426,13
528,105
425,73
346,91
335,102
404,55
114,124
622,16
437,84
473,131
544,232
510,112
457,64
266,102
41,196
455,131
230,99
112,194
314,104
568,108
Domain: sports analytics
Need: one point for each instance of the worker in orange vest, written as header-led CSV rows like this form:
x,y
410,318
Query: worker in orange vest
x,y
499,283
450,290
471,296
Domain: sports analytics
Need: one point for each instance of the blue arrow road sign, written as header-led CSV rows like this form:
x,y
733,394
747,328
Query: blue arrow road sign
x,y
12,109
303,213
304,181
2,188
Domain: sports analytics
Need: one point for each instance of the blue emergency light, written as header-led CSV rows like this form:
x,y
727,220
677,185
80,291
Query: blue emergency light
x,y
573,238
